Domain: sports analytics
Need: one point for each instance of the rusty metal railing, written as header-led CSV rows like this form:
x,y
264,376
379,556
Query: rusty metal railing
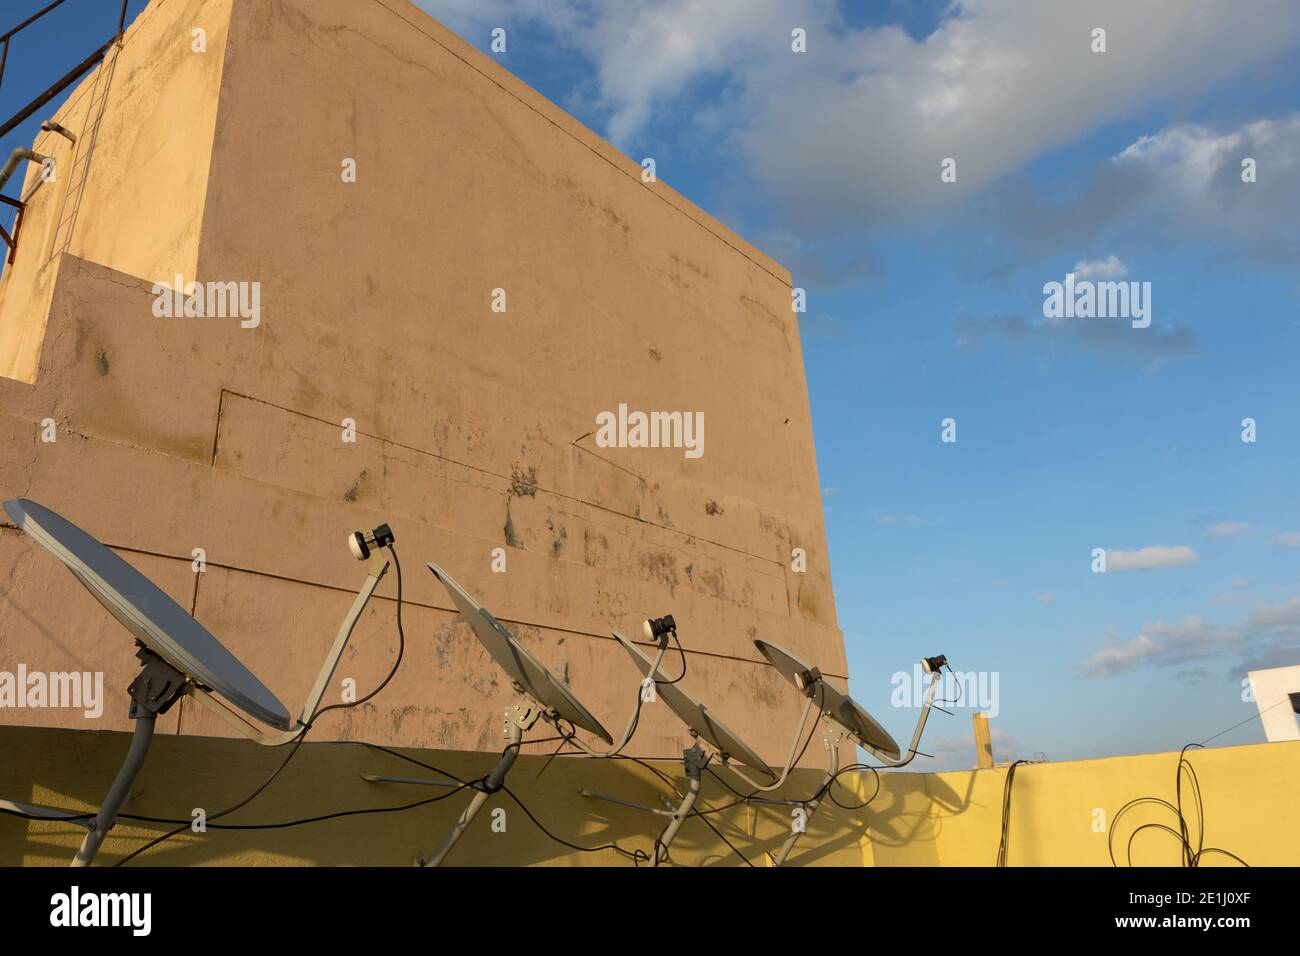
x,y
76,73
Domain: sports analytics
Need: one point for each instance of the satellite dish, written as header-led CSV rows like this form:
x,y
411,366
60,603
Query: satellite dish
x,y
528,674
542,697
844,718
839,706
703,726
178,657
696,716
151,616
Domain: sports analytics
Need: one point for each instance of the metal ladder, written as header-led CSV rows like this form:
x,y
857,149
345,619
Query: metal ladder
x,y
74,188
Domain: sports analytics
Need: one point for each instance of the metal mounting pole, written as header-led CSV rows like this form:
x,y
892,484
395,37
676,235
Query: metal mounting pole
x,y
155,689
520,718
694,760
515,732
118,793
832,735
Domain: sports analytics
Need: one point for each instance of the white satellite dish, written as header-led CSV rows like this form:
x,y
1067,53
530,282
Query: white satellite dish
x,y
712,738
699,719
178,657
521,667
703,725
839,706
542,696
844,717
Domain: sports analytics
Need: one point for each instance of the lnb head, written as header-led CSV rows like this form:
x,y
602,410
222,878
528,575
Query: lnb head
x,y
807,681
932,665
363,543
656,629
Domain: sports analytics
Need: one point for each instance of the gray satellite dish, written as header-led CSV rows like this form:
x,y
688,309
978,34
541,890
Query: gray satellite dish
x,y
695,760
542,697
841,708
178,657
844,718
151,616
532,678
698,717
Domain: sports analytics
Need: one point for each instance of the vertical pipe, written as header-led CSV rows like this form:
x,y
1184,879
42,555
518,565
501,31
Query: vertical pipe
x,y
683,811
490,785
983,741
118,793
788,845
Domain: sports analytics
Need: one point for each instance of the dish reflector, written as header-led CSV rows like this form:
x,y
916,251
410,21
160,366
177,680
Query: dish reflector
x,y
519,665
842,708
696,716
151,616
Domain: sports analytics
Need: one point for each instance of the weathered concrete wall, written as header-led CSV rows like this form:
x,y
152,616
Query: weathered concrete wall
x,y
474,426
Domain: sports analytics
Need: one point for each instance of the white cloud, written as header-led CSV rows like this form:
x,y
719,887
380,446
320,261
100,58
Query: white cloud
x,y
646,54
1189,639
1047,597
854,129
858,130
1106,339
1226,529
1194,156
1178,184
1270,634
1109,268
1156,556
1288,539
1195,174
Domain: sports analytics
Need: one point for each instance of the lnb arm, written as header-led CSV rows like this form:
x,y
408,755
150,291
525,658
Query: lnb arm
x,y
791,758
934,667
654,629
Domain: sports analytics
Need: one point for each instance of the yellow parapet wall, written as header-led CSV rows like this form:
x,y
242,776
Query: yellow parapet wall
x,y
74,769
1059,811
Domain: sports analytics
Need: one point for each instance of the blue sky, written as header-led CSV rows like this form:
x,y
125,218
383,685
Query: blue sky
x,y
925,302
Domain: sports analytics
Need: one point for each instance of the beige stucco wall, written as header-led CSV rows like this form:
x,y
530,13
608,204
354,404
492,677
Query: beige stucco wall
x,y
473,426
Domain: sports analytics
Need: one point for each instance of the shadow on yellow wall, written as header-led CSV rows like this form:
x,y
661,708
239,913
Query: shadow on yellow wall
x,y
1060,812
